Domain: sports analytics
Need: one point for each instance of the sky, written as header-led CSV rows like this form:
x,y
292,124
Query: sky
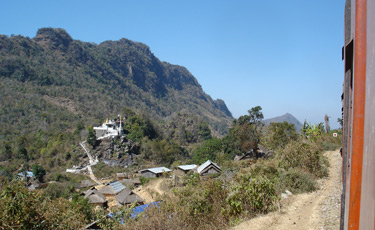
x,y
282,55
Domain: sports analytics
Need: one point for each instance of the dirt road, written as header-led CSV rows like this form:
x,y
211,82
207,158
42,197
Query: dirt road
x,y
151,191
316,210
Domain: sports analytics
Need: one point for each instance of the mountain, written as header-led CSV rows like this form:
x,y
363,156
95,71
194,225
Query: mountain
x,y
286,117
53,82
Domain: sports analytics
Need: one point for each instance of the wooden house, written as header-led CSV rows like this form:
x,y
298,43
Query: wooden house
x,y
183,169
132,182
95,197
208,167
121,176
154,172
126,197
112,189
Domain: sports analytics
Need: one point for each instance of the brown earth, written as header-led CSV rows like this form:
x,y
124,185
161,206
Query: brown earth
x,y
151,191
316,210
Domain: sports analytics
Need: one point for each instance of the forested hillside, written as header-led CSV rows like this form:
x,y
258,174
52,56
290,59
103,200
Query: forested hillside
x,y
53,80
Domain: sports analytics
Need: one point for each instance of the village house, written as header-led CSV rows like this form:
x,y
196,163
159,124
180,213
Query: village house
x,y
132,182
126,197
121,176
183,169
24,175
95,197
85,184
154,172
112,189
32,186
208,167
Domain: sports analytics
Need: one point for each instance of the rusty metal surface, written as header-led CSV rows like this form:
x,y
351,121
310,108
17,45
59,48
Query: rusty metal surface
x,y
367,212
359,97
347,108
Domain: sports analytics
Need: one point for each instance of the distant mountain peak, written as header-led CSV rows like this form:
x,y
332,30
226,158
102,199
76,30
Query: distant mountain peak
x,y
56,38
286,117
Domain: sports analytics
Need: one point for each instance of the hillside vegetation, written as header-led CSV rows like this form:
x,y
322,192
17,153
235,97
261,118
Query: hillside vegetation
x,y
243,189
53,87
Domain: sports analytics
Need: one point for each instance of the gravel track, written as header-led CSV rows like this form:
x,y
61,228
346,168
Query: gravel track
x,y
317,210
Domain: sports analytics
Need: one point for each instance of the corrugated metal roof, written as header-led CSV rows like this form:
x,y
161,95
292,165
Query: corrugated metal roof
x,y
205,165
117,186
28,174
157,170
187,167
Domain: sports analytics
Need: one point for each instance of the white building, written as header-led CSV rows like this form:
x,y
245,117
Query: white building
x,y
110,128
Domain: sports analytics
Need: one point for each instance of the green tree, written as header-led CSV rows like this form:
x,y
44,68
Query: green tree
x,y
207,151
91,137
6,152
279,134
204,131
162,151
248,129
312,132
39,172
22,153
136,128
340,121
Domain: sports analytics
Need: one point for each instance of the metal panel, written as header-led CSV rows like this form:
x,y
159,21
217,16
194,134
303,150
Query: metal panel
x,y
347,108
359,96
367,212
148,174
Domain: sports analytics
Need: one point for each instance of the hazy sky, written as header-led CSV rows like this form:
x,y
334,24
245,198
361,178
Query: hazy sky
x,y
282,55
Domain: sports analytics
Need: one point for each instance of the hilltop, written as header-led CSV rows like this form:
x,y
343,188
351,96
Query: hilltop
x,y
286,117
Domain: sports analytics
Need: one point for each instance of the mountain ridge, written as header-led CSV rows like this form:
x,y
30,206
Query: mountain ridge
x,y
101,79
286,117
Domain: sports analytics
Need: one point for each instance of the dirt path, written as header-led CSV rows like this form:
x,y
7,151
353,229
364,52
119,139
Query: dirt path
x,y
150,192
316,210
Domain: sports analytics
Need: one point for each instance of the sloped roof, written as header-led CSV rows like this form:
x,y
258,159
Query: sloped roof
x,y
121,174
157,170
205,165
89,192
187,167
28,174
113,188
95,197
117,186
86,183
133,198
123,194
131,181
126,196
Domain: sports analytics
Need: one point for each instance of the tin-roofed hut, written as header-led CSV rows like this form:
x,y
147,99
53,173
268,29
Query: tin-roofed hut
x,y
183,169
154,172
112,188
208,167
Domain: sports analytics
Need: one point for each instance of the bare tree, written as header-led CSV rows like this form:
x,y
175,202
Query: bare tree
x,y
326,121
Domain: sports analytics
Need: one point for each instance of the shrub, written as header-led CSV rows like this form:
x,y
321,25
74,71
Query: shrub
x,y
304,155
297,181
252,194
22,209
279,134
144,180
57,190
